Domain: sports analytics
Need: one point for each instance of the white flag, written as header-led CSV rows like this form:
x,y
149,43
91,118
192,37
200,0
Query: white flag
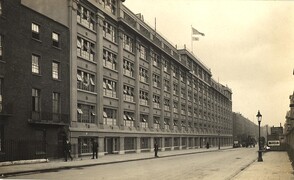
x,y
195,39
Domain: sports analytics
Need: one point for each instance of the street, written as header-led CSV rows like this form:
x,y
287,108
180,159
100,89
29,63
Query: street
x,y
223,164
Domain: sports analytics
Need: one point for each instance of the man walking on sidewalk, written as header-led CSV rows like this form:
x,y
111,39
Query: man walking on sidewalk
x,y
155,149
67,150
95,148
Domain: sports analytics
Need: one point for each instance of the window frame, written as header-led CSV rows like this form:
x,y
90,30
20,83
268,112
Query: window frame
x,y
56,73
56,42
36,67
35,28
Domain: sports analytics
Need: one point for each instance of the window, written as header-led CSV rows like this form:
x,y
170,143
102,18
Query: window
x,y
166,123
156,80
86,113
109,5
127,43
183,92
55,70
143,74
85,145
56,103
109,88
156,122
109,60
166,67
190,95
35,31
175,72
166,85
166,104
85,17
35,64
1,96
144,118
175,127
183,109
175,90
143,54
156,101
0,14
155,59
1,46
85,81
189,111
128,93
175,107
128,68
85,49
55,40
109,116
129,119
109,31
36,106
143,98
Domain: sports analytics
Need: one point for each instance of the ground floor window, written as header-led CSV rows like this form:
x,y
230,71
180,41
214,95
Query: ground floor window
x,y
176,141
144,143
129,143
184,142
167,142
85,145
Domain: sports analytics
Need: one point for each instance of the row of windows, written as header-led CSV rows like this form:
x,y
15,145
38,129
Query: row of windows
x,y
36,101
36,66
36,34
110,118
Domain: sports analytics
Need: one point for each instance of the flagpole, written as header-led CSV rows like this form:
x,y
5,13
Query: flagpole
x,y
191,39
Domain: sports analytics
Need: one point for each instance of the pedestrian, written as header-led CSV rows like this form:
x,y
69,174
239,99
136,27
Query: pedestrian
x,y
95,148
207,145
155,149
67,150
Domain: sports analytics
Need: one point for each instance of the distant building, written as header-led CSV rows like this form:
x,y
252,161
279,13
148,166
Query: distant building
x,y
34,83
243,128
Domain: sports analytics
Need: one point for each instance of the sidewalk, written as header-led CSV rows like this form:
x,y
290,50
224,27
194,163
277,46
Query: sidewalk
x,y
10,170
275,165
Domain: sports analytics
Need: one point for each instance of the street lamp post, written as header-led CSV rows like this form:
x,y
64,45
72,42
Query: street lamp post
x,y
219,139
259,117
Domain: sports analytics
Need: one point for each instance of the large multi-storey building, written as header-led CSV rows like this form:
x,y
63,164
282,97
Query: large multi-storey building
x,y
130,87
34,76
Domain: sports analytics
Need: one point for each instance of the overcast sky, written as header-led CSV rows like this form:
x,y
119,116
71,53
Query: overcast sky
x,y
248,45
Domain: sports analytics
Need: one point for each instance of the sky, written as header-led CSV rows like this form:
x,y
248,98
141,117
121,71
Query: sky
x,y
248,45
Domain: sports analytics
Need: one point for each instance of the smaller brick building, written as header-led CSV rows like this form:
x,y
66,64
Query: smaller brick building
x,y
34,83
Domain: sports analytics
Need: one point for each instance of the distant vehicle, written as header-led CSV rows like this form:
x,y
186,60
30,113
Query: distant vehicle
x,y
236,144
273,143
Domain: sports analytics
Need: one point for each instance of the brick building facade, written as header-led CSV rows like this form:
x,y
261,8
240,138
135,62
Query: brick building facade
x,y
34,78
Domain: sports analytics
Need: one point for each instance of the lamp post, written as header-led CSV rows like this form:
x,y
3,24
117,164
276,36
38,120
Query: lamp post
x,y
219,139
259,117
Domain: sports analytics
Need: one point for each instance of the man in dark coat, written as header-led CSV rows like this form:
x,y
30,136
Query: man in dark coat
x,y
155,149
95,148
67,150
